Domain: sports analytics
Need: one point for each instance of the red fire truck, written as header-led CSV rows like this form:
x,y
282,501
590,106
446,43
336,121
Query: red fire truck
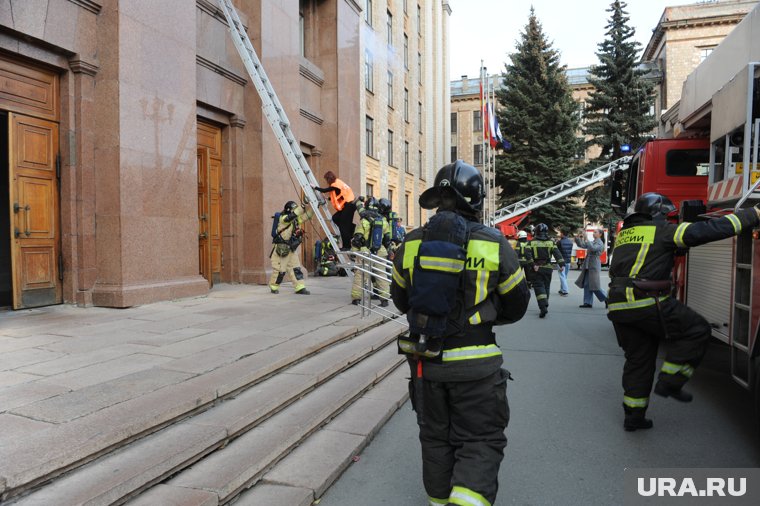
x,y
710,168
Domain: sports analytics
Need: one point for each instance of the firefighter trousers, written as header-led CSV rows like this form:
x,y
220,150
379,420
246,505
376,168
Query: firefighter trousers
x,y
639,332
541,281
463,438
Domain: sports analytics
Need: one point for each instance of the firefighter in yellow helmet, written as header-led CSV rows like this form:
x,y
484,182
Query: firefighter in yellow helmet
x,y
288,235
456,278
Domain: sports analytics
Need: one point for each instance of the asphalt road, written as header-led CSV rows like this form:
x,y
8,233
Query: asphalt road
x,y
566,441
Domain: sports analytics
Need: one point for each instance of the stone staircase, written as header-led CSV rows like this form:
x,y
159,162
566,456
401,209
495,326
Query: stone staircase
x,y
273,426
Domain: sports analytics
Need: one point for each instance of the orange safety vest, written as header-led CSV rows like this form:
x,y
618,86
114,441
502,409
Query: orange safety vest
x,y
346,195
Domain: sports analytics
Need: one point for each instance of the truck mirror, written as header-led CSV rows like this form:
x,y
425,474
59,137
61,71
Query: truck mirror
x,y
617,190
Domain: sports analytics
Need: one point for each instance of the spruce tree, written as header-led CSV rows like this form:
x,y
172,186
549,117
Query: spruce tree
x,y
618,110
540,118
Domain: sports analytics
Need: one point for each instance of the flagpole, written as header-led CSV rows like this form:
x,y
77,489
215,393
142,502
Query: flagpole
x,y
483,95
493,152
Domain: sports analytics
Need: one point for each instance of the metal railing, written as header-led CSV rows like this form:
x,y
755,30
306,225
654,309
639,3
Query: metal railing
x,y
372,268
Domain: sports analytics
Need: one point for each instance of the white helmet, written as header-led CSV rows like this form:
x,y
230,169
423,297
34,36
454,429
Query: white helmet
x,y
522,234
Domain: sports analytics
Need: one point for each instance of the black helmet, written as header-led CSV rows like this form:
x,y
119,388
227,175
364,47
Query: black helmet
x,y
653,205
370,203
290,206
384,206
542,230
458,183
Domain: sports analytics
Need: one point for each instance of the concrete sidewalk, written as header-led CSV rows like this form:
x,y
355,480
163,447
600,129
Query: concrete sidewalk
x,y
63,365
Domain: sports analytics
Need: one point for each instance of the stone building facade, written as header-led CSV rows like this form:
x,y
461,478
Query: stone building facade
x,y
137,163
405,100
682,39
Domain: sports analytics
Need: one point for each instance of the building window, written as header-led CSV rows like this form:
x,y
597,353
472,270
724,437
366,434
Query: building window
x,y
478,150
407,207
301,35
419,115
406,156
390,147
368,12
369,136
369,71
390,29
419,165
369,190
419,20
453,154
704,52
453,122
406,51
390,89
406,105
307,27
405,6
390,196
477,121
419,68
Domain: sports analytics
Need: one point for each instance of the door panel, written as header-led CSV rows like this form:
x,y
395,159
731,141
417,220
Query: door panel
x,y
34,211
210,138
204,239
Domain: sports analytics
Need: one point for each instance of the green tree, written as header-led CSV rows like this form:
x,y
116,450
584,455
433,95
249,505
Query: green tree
x,y
618,110
540,118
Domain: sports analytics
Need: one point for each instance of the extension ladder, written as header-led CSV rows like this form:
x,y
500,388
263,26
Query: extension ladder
x,y
275,115
561,190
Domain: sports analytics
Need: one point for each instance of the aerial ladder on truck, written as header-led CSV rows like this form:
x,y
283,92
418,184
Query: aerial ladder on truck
x,y
366,265
513,211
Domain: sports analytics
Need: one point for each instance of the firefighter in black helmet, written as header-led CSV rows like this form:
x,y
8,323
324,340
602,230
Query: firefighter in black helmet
x,y
455,279
641,306
543,249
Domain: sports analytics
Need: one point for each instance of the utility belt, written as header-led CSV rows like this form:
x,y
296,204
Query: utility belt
x,y
642,288
433,347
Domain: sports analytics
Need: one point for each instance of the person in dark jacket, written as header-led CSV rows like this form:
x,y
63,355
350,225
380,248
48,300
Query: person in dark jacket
x,y
543,250
565,246
459,387
642,309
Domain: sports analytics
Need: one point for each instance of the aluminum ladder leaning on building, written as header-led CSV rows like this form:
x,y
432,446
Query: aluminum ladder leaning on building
x,y
367,265
561,190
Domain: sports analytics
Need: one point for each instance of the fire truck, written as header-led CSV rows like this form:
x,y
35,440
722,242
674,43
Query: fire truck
x,y
710,168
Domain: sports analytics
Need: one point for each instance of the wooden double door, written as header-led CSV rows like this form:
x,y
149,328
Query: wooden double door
x,y
210,254
32,274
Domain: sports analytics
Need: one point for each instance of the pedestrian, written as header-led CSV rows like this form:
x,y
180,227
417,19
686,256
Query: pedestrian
x,y
543,250
372,236
642,308
456,278
342,200
288,236
591,269
565,246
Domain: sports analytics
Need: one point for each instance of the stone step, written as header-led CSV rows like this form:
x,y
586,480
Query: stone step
x,y
309,470
28,462
149,460
234,468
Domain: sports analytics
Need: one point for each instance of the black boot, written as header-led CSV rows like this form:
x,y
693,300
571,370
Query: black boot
x,y
635,419
664,389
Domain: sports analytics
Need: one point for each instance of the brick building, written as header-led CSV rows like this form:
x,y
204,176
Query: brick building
x,y
140,165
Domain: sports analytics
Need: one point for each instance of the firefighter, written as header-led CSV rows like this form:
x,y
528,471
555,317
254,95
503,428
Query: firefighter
x,y
524,252
455,279
342,200
543,250
642,309
373,232
384,207
288,237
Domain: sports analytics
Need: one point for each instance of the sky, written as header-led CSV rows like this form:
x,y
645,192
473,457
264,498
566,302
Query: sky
x,y
487,29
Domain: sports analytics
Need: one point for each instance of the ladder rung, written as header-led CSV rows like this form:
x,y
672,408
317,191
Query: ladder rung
x,y
743,307
740,347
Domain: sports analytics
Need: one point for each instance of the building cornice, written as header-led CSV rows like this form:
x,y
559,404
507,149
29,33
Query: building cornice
x,y
681,24
88,5
218,69
311,116
446,7
79,66
355,6
311,72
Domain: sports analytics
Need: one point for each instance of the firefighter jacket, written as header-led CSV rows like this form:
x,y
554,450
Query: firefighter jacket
x,y
289,227
364,230
644,250
495,292
524,252
543,250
